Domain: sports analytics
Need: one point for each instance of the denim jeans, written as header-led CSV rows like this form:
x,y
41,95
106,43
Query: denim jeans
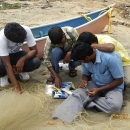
x,y
57,55
29,65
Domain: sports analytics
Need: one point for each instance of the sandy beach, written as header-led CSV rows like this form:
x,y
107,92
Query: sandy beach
x,y
36,12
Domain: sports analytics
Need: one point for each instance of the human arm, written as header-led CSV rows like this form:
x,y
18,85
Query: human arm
x,y
67,57
84,81
10,73
57,78
113,72
86,75
107,47
110,86
20,63
47,52
32,49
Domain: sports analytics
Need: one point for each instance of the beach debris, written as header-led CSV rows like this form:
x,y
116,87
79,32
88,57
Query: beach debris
x,y
127,24
47,5
25,5
125,10
83,12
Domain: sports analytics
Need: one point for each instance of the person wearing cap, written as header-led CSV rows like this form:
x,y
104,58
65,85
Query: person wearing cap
x,y
12,57
58,46
108,44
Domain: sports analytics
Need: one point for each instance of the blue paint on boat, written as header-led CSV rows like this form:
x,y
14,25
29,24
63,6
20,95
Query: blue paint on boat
x,y
42,31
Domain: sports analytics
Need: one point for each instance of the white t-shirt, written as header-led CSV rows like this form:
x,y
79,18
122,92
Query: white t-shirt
x,y
8,47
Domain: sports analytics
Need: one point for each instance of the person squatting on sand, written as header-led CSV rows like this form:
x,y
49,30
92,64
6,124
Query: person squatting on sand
x,y
108,44
105,88
12,38
58,47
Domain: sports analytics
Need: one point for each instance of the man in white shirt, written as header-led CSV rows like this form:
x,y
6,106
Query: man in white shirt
x,y
12,38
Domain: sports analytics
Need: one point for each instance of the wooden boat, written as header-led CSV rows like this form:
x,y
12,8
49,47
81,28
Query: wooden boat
x,y
93,22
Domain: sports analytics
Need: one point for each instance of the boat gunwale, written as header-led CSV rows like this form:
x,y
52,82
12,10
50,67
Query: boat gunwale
x,y
61,21
87,23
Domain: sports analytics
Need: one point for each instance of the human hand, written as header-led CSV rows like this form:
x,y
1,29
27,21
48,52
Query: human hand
x,y
93,45
58,82
67,57
18,90
19,65
83,84
92,92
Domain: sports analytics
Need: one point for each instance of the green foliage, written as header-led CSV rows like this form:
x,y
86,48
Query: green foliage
x,y
6,6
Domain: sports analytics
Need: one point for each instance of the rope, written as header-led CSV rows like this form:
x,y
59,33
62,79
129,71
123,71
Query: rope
x,y
109,15
110,21
46,105
86,17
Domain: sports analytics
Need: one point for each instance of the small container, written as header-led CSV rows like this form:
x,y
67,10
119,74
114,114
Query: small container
x,y
49,89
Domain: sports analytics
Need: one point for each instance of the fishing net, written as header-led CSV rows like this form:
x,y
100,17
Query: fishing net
x,y
26,111
31,110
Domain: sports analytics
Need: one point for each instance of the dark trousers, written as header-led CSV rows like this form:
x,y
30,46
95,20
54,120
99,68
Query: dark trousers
x,y
29,65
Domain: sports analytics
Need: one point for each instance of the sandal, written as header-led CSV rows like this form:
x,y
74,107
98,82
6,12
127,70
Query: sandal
x,y
72,73
50,80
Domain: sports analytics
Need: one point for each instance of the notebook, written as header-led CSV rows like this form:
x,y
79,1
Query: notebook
x,y
66,90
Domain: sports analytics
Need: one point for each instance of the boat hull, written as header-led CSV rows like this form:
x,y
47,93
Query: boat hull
x,y
95,26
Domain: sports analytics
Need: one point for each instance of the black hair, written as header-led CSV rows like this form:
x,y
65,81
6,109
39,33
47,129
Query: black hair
x,y
87,37
55,35
15,32
80,51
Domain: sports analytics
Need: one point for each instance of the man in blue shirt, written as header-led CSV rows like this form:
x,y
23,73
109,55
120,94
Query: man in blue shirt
x,y
101,85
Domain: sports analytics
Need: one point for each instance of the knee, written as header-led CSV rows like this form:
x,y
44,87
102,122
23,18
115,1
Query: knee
x,y
56,52
37,62
80,93
115,107
2,71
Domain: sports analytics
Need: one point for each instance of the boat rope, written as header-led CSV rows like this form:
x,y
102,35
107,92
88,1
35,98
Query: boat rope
x,y
86,17
110,16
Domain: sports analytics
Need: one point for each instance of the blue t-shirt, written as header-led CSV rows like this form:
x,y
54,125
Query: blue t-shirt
x,y
107,67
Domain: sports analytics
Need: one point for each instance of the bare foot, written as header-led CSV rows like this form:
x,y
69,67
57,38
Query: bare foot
x,y
54,122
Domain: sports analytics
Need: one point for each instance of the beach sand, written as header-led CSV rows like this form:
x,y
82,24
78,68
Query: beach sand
x,y
33,13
